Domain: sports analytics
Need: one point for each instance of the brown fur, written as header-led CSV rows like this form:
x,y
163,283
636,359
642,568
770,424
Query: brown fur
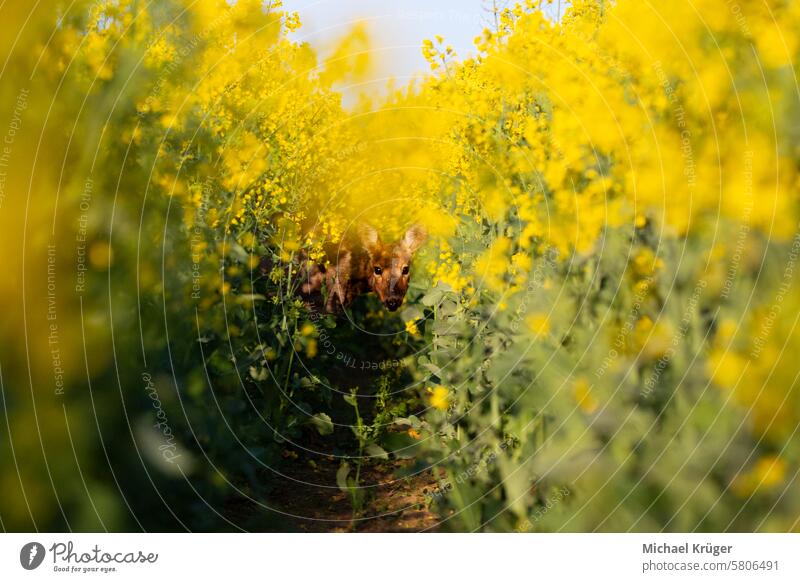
x,y
365,265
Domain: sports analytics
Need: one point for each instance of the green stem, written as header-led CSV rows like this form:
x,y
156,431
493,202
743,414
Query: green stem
x,y
355,485
291,359
361,440
289,276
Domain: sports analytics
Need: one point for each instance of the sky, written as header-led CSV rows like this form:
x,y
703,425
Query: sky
x,y
397,29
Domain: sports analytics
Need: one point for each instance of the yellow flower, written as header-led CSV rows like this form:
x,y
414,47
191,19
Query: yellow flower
x,y
311,348
645,262
248,240
583,396
652,339
449,273
100,255
492,266
307,330
725,367
539,324
440,397
521,261
726,331
766,474
411,327
292,22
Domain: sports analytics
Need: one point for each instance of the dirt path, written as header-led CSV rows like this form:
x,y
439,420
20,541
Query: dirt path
x,y
392,504
310,500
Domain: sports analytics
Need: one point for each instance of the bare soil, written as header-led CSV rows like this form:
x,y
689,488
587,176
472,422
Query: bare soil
x,y
308,499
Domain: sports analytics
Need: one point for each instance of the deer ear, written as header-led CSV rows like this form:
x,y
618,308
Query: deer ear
x,y
414,237
369,237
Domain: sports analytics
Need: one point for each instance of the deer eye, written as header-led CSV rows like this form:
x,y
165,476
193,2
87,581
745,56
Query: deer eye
x,y
378,271
405,270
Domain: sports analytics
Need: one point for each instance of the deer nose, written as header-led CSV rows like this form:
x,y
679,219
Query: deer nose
x,y
392,304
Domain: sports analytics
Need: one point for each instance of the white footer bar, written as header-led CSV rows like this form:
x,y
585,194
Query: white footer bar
x,y
407,557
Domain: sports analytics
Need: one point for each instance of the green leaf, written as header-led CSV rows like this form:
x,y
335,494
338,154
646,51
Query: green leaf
x,y
448,307
323,423
401,445
258,374
341,476
412,421
433,369
246,298
449,327
517,484
376,452
432,297
411,313
237,251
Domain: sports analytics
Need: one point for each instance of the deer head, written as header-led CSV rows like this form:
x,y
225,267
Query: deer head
x,y
389,269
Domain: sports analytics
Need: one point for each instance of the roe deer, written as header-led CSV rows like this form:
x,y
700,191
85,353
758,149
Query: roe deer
x,y
365,265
